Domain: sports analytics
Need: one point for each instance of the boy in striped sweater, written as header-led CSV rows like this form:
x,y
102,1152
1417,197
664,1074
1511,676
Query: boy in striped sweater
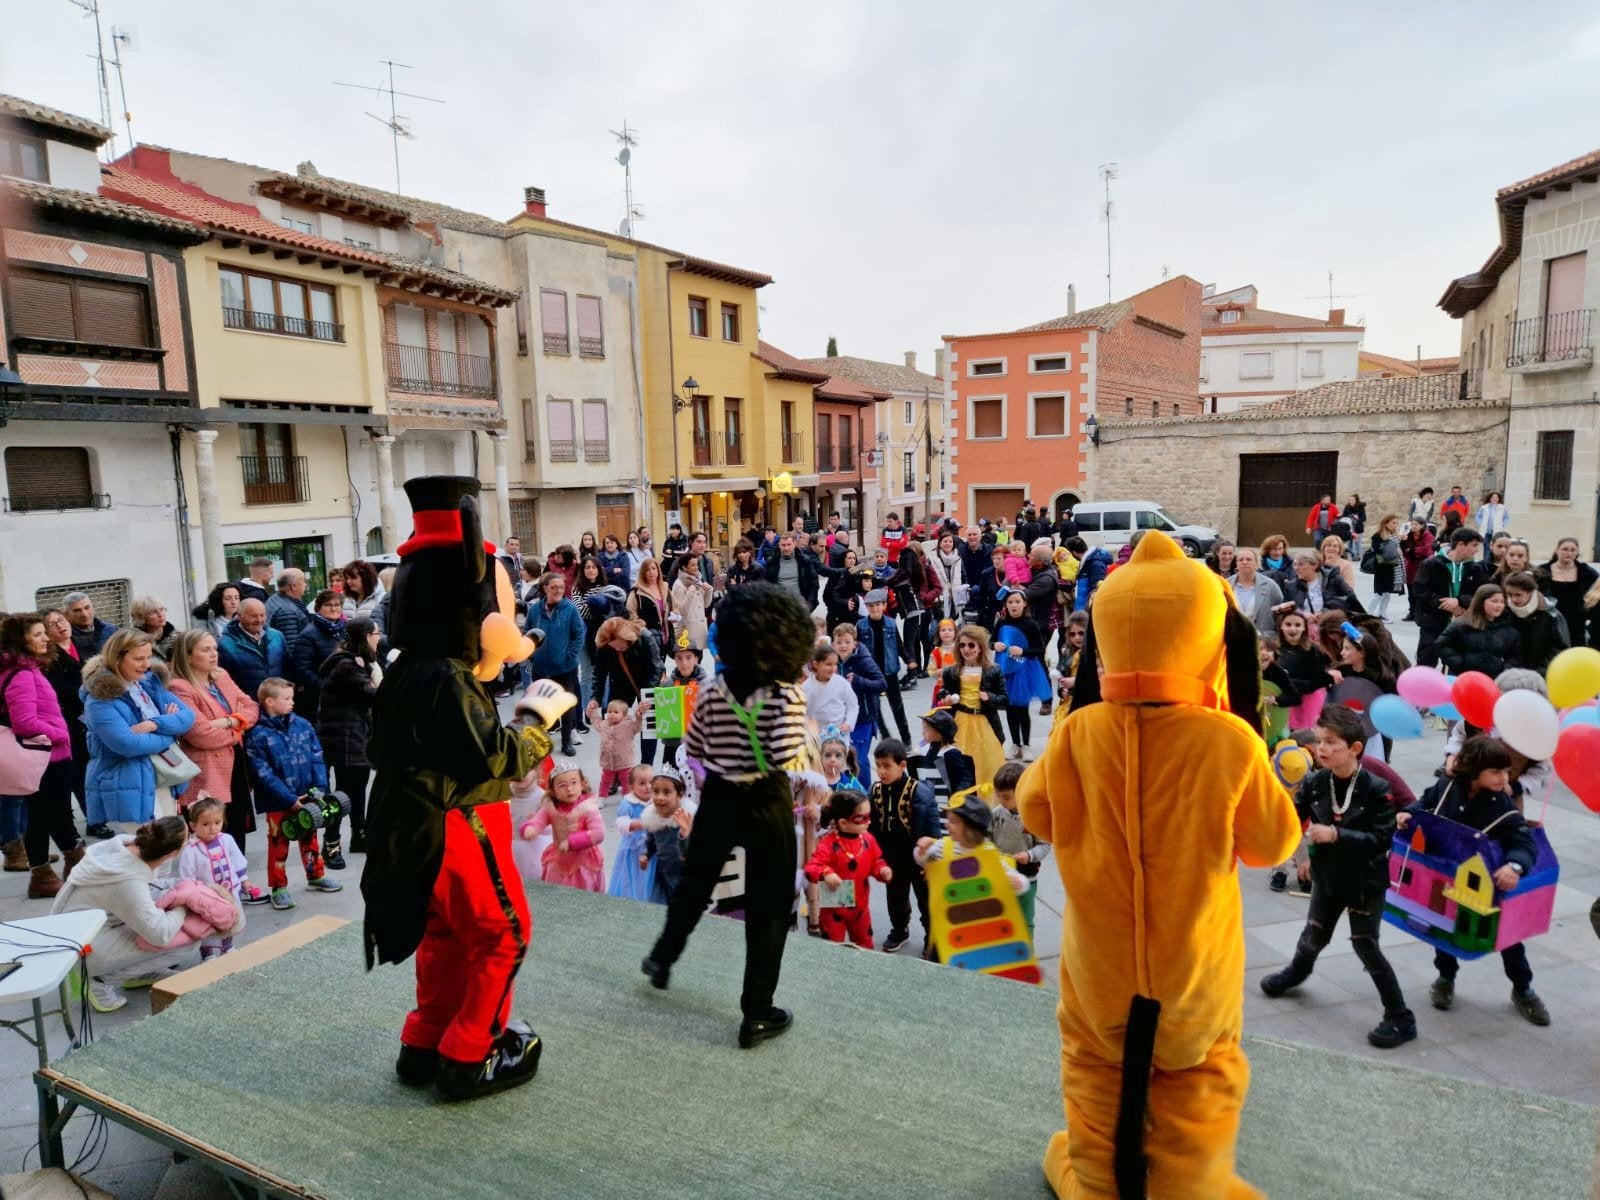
x,y
749,731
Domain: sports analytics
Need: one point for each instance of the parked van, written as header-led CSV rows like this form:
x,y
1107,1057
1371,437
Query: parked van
x,y
1110,523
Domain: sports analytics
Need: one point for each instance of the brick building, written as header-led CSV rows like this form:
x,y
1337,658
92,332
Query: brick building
x,y
1018,401
1259,470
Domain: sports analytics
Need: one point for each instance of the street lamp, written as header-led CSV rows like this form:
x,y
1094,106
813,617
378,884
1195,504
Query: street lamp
x,y
10,383
688,388
1092,428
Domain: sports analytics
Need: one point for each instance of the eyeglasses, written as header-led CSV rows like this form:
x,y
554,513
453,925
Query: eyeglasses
x,y
967,645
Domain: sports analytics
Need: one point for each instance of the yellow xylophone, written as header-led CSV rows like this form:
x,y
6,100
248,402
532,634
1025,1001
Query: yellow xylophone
x,y
977,922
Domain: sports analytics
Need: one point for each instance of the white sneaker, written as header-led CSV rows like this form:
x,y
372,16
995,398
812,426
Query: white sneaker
x,y
105,997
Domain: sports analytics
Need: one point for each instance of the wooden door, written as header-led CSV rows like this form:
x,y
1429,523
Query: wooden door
x,y
1276,491
613,515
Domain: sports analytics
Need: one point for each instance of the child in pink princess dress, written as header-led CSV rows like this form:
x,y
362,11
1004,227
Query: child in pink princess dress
x,y
572,817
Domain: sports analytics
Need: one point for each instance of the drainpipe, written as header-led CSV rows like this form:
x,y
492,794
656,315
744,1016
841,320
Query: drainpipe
x,y
180,517
359,541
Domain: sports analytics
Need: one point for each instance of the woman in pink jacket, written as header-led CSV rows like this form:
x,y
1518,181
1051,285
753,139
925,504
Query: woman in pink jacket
x,y
223,714
33,710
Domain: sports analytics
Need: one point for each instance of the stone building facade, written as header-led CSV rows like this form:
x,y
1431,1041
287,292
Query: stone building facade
x,y
1259,470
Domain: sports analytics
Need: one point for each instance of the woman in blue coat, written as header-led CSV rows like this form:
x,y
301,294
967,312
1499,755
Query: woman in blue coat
x,y
130,715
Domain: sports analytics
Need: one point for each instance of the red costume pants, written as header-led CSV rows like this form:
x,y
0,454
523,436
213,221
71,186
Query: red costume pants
x,y
854,923
278,853
474,941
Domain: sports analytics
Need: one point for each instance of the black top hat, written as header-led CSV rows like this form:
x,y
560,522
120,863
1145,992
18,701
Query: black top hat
x,y
942,723
973,811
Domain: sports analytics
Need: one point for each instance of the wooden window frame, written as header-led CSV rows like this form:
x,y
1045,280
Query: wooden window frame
x,y
147,348
972,418
731,310
279,318
733,431
1033,415
11,155
699,304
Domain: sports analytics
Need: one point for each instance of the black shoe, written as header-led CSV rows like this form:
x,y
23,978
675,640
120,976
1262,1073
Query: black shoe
x,y
358,843
1530,1006
101,830
759,1029
1280,982
1279,881
333,857
659,973
1442,994
1394,1030
512,1060
416,1067
581,727
568,749
895,940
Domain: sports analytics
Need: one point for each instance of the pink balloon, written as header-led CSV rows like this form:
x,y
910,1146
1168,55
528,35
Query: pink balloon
x,y
1424,686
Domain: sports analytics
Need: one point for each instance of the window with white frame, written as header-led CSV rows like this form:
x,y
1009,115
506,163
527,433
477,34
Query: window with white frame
x,y
1255,364
910,417
986,418
1205,367
1044,364
1311,368
1049,416
986,368
908,472
1229,316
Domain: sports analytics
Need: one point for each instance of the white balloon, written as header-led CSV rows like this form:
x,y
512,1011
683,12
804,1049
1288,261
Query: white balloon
x,y
1528,723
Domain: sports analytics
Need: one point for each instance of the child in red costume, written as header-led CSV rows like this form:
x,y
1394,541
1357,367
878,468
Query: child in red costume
x,y
848,851
440,881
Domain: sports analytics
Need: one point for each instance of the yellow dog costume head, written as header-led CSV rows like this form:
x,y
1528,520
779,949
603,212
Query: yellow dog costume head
x,y
1151,791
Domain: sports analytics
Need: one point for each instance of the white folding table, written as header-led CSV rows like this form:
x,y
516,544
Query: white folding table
x,y
47,948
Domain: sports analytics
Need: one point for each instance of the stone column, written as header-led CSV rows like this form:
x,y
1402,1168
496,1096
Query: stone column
x,y
502,485
205,476
383,453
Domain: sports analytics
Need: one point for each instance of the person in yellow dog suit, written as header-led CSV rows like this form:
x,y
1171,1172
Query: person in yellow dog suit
x,y
1150,792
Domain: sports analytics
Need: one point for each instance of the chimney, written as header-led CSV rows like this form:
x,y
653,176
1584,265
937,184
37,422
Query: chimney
x,y
911,359
938,362
533,201
1336,316
1072,299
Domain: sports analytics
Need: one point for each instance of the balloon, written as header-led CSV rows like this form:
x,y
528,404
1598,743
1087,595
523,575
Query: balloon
x,y
1527,723
1589,714
1577,761
1574,677
1424,686
1395,718
1448,712
1292,762
1474,694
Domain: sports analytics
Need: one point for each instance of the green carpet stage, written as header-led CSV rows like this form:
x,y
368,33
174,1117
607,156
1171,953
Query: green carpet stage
x,y
899,1079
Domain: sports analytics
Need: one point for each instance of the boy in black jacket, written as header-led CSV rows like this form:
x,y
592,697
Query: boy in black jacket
x,y
866,680
1477,793
1351,825
903,810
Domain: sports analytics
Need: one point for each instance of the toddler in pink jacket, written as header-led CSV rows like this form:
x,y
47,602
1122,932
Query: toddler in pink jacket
x,y
572,817
619,745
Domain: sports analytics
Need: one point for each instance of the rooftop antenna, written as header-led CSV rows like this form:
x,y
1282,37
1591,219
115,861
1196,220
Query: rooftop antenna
x,y
124,37
394,122
1331,296
628,138
1108,172
91,8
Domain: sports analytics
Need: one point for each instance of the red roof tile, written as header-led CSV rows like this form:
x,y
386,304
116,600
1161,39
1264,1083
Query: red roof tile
x,y
90,205
27,110
1583,164
1259,320
788,366
1426,393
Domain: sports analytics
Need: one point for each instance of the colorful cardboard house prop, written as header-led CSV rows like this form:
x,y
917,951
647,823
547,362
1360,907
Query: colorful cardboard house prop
x,y
977,922
1441,888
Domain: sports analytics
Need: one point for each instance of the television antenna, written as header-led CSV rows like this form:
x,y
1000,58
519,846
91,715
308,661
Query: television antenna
x,y
1331,296
628,138
395,122
1108,172
124,37
91,8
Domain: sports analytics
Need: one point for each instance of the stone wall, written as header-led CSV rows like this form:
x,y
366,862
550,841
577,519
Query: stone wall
x,y
1191,467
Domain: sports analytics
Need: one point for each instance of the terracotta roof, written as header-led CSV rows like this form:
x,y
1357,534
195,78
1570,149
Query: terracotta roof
x,y
839,388
1424,393
1468,291
688,262
1101,317
425,211
407,269
1258,320
890,377
90,205
1401,366
27,110
1441,366
787,366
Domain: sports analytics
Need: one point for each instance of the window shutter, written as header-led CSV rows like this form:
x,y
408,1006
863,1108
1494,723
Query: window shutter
x,y
53,477
1049,416
112,314
590,338
561,420
595,427
553,320
987,419
530,438
41,307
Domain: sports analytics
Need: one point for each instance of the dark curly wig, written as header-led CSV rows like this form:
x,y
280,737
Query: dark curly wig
x,y
764,637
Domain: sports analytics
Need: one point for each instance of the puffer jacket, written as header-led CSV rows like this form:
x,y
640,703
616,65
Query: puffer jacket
x,y
32,709
1492,650
344,710
288,616
212,749
250,661
318,639
120,784
285,760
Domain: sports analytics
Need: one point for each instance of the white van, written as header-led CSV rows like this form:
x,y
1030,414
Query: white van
x,y
1110,523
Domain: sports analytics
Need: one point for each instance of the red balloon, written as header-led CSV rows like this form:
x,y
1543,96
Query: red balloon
x,y
1577,761
1474,695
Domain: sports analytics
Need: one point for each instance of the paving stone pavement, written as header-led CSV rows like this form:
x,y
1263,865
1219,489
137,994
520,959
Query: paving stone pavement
x,y
1482,1038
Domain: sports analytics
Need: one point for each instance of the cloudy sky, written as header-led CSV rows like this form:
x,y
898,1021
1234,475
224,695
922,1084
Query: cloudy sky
x,y
907,169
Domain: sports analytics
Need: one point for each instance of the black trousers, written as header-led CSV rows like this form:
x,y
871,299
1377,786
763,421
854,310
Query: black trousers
x,y
1426,655
239,818
913,641
896,706
908,878
50,815
1020,723
1513,958
352,781
1321,916
760,817
569,719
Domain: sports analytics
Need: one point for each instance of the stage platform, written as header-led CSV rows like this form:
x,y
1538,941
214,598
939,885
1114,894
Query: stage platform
x,y
899,1079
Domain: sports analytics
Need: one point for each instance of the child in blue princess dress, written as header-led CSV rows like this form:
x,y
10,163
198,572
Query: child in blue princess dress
x,y
629,877
1019,652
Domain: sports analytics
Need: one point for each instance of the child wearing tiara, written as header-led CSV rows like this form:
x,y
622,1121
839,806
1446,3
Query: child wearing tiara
x,y
667,824
629,873
572,816
839,765
211,856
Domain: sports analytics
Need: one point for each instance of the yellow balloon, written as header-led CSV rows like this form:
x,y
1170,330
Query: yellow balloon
x,y
1574,677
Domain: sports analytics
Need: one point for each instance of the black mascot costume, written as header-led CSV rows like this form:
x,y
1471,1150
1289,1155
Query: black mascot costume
x,y
440,881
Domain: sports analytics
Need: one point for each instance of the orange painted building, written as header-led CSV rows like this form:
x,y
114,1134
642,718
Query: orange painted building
x,y
1018,400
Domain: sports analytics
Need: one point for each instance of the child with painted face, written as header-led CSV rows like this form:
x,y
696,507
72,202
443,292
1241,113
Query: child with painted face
x,y
573,858
839,762
848,852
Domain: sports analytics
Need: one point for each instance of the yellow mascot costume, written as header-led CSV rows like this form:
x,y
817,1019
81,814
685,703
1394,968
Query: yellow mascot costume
x,y
1150,792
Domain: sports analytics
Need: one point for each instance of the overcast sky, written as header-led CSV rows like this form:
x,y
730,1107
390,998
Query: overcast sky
x,y
905,170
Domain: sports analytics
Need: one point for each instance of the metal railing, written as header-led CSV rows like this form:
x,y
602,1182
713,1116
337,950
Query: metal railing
x,y
825,456
733,441
591,347
274,479
847,456
597,449
794,445
419,369
1554,337
56,502
266,322
557,343
566,451
708,448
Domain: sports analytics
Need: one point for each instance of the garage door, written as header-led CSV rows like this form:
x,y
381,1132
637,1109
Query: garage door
x,y
996,503
1277,490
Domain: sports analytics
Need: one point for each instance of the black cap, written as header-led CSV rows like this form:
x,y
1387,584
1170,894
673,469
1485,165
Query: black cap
x,y
974,812
941,722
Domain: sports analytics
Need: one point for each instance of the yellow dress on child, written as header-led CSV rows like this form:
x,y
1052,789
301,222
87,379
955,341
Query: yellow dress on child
x,y
974,735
